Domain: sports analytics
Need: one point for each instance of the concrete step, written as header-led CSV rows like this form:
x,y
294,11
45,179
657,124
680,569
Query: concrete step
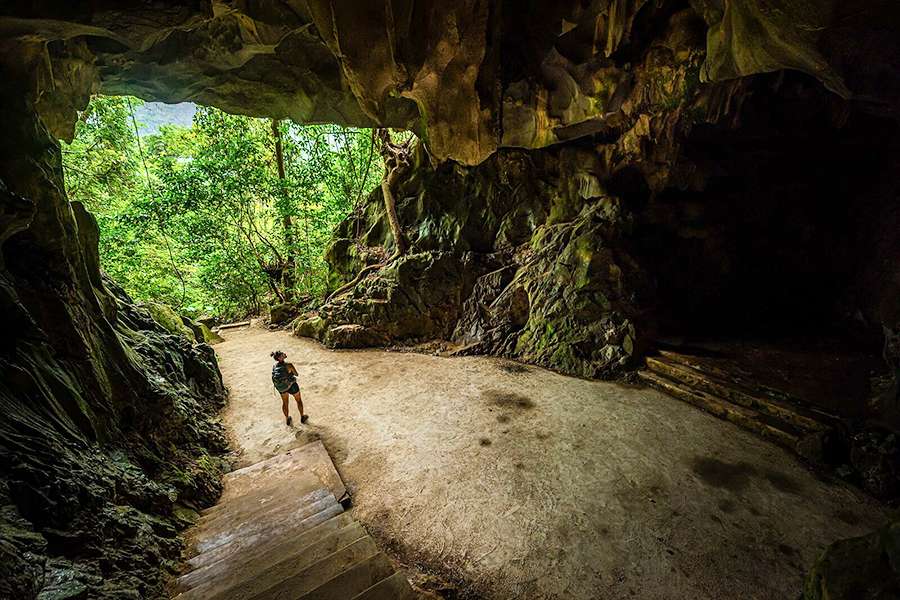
x,y
352,581
319,573
395,587
257,541
268,553
274,519
744,417
696,373
279,563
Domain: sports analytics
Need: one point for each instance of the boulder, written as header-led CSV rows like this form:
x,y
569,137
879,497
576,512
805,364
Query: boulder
x,y
862,568
170,320
209,336
282,313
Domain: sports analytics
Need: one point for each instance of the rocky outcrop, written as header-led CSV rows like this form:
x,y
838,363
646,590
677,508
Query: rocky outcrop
x,y
469,77
417,296
864,567
108,437
522,256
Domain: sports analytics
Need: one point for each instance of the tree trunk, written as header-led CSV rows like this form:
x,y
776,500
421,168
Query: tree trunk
x,y
396,161
286,221
390,206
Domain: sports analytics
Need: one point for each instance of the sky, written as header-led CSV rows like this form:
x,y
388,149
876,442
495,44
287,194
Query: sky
x,y
151,115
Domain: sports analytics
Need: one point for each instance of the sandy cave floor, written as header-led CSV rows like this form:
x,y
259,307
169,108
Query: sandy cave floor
x,y
530,484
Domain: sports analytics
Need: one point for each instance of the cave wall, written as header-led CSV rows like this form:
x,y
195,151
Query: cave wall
x,y
108,438
727,217
780,215
469,77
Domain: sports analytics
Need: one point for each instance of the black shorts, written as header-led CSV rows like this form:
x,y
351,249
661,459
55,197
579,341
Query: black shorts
x,y
294,389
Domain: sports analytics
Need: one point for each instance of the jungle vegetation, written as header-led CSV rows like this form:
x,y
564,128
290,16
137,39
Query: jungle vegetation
x,y
222,217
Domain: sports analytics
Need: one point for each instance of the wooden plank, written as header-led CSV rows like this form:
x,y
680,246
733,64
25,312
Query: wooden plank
x,y
232,325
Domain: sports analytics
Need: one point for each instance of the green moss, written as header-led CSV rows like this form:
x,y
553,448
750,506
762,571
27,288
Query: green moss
x,y
185,516
169,320
210,336
311,327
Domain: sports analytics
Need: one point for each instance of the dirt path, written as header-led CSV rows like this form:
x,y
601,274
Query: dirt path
x,y
534,485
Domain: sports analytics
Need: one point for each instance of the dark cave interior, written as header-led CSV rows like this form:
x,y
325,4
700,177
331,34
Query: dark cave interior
x,y
772,242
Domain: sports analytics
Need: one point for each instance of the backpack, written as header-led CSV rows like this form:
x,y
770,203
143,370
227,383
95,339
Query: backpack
x,y
282,378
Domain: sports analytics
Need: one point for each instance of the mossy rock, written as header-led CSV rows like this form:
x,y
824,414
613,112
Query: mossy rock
x,y
169,320
282,313
311,326
861,568
209,336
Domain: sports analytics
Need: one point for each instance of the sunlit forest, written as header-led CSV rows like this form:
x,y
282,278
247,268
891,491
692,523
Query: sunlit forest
x,y
222,217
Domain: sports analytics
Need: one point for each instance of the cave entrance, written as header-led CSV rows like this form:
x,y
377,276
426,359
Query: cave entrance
x,y
216,215
758,269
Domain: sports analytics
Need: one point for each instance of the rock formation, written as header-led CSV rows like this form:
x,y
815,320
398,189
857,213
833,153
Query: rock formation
x,y
520,256
575,257
591,173
468,76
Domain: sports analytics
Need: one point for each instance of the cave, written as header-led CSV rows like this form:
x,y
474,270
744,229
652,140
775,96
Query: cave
x,y
622,204
765,254
772,241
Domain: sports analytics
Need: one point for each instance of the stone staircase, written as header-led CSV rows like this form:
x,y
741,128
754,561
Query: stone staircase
x,y
280,532
767,413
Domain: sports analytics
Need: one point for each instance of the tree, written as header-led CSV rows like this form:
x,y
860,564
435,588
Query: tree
x,y
237,206
397,160
286,221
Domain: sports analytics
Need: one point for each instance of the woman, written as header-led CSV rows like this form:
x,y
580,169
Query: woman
x,y
284,376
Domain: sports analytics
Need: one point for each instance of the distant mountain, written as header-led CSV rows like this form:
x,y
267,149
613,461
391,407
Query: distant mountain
x,y
151,115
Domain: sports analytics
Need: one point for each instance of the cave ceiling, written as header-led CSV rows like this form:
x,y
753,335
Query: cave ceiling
x,y
468,76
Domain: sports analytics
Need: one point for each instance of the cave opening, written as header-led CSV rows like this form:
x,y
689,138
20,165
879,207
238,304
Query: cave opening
x,y
219,216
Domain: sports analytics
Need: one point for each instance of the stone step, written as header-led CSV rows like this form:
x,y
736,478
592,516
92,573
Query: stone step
x,y
678,369
352,581
395,587
268,553
743,417
279,563
273,520
320,573
258,541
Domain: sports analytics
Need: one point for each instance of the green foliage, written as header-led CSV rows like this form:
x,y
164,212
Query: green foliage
x,y
200,218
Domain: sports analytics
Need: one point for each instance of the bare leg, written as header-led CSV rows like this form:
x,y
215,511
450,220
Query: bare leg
x,y
300,406
284,407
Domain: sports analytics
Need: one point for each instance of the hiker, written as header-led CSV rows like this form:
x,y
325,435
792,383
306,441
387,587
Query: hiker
x,y
284,376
